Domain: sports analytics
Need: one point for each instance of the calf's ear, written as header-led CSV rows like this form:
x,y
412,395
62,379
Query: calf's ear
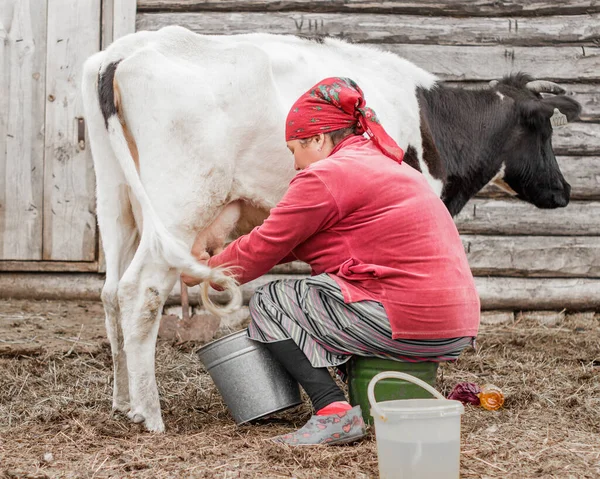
x,y
566,105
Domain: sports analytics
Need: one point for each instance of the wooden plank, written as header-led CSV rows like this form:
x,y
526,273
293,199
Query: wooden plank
x,y
496,293
570,64
123,18
539,293
582,173
106,29
22,80
514,217
577,139
589,97
422,7
49,266
386,28
534,256
60,286
69,196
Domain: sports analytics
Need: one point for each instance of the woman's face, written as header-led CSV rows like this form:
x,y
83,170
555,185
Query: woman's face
x,y
306,152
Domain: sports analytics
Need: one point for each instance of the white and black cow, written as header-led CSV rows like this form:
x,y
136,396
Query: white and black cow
x,y
187,136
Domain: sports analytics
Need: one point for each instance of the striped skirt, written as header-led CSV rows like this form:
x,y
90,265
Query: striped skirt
x,y
313,313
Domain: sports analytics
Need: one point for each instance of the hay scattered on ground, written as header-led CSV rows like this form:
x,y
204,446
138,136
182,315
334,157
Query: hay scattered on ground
x,y
55,418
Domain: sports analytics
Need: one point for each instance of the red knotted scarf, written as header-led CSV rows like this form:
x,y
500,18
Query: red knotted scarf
x,y
333,104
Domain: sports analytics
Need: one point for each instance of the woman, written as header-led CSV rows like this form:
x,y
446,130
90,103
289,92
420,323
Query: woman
x,y
390,278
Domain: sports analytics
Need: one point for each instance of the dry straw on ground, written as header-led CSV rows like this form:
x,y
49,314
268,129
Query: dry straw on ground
x,y
55,419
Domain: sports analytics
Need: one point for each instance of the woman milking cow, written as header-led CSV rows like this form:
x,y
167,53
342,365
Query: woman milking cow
x,y
390,277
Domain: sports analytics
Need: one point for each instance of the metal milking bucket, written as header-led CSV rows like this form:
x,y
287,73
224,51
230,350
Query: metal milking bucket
x,y
251,381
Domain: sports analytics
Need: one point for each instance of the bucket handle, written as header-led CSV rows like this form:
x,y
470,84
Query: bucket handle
x,y
396,375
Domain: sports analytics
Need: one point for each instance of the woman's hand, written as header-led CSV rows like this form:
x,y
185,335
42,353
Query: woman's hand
x,y
191,280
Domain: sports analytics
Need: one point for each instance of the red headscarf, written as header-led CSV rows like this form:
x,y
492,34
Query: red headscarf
x,y
333,104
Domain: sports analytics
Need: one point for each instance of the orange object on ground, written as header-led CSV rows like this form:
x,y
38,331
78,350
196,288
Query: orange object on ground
x,y
491,397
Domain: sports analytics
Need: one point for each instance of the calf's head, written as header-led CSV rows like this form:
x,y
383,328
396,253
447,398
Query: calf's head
x,y
530,167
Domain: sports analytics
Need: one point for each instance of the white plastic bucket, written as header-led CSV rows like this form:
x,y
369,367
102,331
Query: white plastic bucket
x,y
416,438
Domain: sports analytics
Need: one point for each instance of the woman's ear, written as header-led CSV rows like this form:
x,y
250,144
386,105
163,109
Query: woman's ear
x,y
320,140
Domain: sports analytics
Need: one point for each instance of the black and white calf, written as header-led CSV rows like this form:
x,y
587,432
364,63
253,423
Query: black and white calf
x,y
187,136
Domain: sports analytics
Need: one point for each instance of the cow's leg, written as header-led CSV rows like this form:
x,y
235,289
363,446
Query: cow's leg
x,y
120,240
116,223
142,294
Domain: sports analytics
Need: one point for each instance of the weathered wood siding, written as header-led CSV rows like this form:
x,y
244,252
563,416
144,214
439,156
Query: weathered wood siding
x,y
522,257
22,103
557,30
47,185
475,8
69,198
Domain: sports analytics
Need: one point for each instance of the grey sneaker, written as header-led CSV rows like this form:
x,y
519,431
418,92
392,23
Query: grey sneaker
x,y
338,428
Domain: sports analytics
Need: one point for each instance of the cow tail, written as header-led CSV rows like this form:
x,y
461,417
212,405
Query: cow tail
x,y
210,305
161,242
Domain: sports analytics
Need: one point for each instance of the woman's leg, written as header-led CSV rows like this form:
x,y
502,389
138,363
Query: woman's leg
x,y
274,309
317,382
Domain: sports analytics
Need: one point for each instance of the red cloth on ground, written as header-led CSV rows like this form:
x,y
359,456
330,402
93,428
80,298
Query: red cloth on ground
x,y
336,103
378,229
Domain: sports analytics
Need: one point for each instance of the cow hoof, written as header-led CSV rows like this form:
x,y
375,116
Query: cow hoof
x,y
155,426
138,418
135,417
152,425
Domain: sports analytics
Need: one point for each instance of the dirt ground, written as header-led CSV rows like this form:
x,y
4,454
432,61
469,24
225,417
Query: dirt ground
x,y
55,397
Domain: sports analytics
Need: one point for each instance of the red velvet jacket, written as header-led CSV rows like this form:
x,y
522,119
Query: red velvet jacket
x,y
379,231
